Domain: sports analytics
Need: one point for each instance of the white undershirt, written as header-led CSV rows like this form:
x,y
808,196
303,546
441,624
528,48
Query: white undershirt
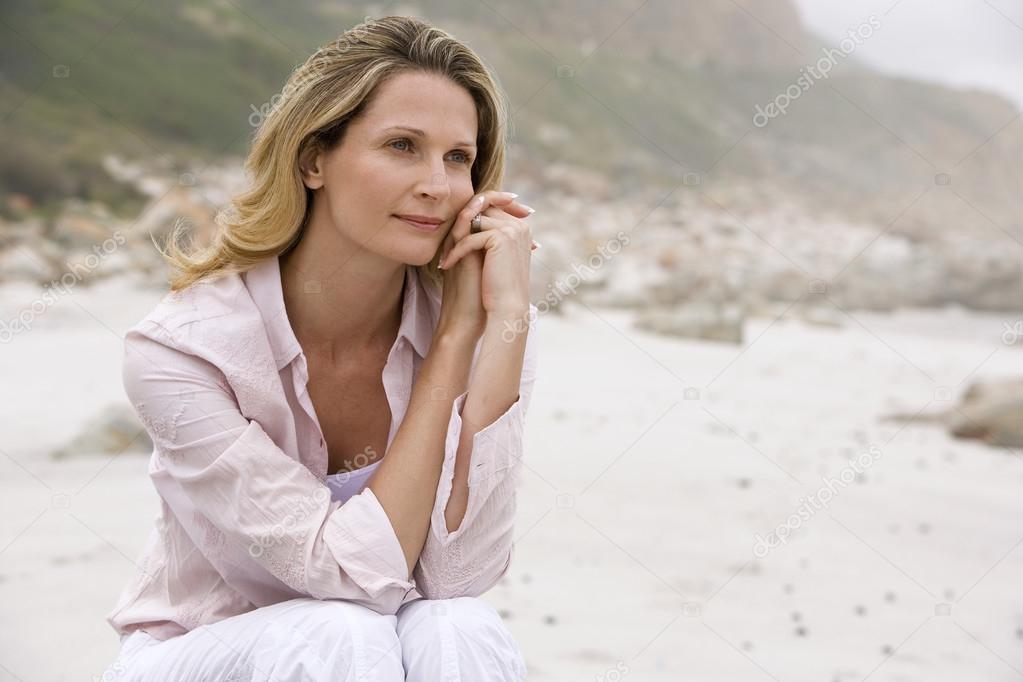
x,y
344,484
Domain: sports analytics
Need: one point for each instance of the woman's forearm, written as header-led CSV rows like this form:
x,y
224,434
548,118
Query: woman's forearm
x,y
406,481
494,388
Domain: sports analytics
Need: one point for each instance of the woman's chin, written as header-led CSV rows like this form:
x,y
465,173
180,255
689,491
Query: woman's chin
x,y
423,261
417,259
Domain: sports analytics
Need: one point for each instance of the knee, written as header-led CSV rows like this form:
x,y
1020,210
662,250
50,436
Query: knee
x,y
343,621
466,632
338,618
469,613
349,636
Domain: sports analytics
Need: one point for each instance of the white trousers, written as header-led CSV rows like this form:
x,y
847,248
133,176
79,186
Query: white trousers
x,y
435,640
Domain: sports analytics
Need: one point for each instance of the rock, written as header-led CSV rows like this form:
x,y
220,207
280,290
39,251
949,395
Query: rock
x,y
913,417
81,225
697,321
14,233
16,265
115,430
980,275
991,411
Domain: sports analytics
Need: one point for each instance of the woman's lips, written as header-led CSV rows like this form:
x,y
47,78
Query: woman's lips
x,y
424,227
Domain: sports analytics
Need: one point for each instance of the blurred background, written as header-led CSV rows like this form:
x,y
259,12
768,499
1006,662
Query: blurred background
x,y
778,427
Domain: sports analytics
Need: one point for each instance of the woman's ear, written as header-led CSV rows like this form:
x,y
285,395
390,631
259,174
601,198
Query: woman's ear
x,y
310,166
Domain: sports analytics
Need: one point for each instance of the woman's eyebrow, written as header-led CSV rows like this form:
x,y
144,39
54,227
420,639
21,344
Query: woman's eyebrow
x,y
421,133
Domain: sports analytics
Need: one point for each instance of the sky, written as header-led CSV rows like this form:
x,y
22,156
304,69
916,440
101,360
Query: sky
x,y
962,43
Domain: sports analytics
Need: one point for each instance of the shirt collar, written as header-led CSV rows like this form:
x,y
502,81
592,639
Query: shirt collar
x,y
264,284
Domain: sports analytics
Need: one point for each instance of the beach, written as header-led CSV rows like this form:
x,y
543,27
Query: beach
x,y
656,471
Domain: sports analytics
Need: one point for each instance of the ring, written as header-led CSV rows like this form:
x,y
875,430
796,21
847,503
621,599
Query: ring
x,y
476,224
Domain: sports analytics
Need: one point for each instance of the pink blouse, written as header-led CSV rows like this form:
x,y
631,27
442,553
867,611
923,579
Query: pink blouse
x,y
247,518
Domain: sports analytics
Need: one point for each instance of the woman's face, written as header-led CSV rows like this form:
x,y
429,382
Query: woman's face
x,y
381,170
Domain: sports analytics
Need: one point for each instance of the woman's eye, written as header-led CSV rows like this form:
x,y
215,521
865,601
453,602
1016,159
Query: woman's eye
x,y
465,156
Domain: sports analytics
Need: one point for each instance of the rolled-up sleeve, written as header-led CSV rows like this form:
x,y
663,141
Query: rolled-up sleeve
x,y
471,559
258,515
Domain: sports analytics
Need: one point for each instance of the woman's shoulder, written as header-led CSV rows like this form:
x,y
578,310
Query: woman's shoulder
x,y
222,303
211,329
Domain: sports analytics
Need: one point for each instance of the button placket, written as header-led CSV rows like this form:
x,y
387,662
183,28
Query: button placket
x,y
300,381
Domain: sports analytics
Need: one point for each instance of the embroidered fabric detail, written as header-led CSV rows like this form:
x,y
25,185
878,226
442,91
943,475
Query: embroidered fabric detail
x,y
162,428
449,571
288,567
214,541
256,383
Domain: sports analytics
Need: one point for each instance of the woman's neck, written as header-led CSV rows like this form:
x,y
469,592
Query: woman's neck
x,y
339,296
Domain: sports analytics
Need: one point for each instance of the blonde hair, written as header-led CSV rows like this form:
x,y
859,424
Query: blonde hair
x,y
333,87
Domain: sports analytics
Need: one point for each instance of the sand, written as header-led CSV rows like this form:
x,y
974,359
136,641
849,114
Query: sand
x,y
652,466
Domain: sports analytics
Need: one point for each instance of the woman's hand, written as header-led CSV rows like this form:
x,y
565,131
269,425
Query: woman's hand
x,y
503,247
469,283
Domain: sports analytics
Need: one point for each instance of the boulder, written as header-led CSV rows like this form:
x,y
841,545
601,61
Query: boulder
x,y
708,321
115,430
991,411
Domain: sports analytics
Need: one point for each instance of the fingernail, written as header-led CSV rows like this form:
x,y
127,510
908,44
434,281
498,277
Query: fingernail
x,y
511,194
529,208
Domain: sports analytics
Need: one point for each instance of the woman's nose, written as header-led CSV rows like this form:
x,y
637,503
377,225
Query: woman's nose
x,y
437,184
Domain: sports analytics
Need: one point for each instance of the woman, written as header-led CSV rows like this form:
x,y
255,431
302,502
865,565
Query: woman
x,y
336,387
